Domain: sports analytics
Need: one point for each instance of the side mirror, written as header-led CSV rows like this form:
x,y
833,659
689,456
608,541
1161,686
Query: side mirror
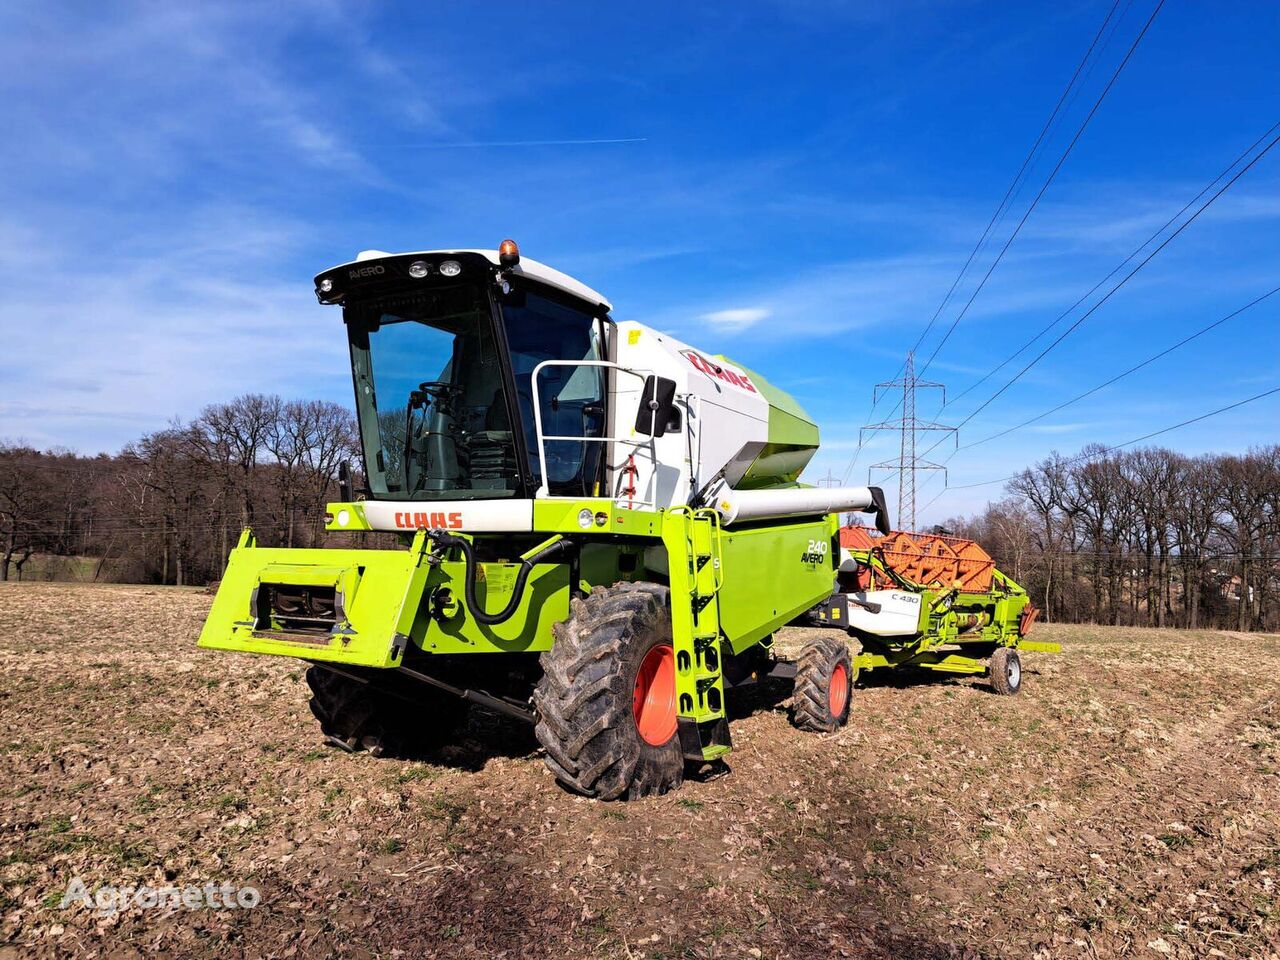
x,y
881,511
658,412
345,493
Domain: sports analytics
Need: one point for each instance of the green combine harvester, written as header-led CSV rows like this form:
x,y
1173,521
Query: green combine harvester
x,y
601,528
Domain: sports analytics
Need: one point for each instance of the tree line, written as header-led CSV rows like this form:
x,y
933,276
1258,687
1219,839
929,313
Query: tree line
x,y
1146,537
170,506
1142,537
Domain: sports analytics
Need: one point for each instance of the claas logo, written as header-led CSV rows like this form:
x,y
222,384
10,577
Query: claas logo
x,y
438,520
713,369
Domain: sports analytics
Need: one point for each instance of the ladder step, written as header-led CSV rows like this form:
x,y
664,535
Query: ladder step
x,y
700,680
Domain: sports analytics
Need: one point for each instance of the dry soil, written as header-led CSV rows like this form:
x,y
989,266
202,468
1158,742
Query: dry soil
x,y
1127,803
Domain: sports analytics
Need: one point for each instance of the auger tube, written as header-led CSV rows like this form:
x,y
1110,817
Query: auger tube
x,y
736,505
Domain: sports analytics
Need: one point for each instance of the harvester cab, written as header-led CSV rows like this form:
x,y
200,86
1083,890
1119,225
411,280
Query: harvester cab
x,y
600,529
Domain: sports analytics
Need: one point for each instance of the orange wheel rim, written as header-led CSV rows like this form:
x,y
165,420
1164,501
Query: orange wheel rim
x,y
654,699
838,692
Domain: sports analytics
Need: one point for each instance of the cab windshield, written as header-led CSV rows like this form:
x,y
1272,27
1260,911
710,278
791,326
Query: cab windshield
x,y
432,396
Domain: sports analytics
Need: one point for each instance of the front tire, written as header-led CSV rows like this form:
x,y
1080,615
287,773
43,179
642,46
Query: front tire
x,y
1006,671
359,716
606,702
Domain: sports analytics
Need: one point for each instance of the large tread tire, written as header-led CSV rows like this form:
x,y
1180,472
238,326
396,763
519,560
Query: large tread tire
x,y
356,716
1005,671
822,664
586,720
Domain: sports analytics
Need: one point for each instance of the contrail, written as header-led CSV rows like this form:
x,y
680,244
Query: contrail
x,y
505,143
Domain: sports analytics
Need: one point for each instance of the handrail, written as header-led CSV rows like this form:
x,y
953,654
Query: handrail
x,y
544,489
712,516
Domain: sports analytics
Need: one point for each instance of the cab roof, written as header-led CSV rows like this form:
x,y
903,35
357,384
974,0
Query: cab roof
x,y
532,269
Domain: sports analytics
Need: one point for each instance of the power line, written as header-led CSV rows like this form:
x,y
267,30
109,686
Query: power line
x,y
1129,276
1204,206
1118,267
935,499
1053,173
1016,182
1129,443
1115,28
1097,453
1014,187
1120,376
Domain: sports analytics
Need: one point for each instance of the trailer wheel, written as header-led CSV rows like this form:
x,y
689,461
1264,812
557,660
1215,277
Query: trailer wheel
x,y
606,703
1006,671
824,686
354,716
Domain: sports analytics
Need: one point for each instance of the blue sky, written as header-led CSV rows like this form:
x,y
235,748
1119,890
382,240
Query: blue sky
x,y
805,183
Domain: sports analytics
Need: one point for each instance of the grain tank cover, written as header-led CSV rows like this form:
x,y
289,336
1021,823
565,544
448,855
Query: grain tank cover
x,y
790,444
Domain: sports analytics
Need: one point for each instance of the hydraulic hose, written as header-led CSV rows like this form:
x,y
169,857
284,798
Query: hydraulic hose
x,y
560,547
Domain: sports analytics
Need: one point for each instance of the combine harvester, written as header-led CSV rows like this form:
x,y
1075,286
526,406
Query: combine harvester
x,y
930,602
600,531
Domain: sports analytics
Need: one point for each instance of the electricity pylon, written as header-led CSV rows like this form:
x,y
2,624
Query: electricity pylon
x,y
908,426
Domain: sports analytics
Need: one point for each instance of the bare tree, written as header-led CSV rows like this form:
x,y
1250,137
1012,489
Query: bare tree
x,y
1241,488
1043,487
308,439
1147,537
22,486
1193,506
232,437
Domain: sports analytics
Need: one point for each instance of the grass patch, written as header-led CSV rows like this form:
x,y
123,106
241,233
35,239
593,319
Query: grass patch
x,y
416,773
446,810
130,854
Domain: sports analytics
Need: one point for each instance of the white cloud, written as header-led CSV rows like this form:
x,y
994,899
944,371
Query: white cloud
x,y
737,318
1060,427
133,337
160,88
885,293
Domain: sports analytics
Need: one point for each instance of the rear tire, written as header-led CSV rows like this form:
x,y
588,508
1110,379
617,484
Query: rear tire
x,y
1006,671
606,700
355,716
824,686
